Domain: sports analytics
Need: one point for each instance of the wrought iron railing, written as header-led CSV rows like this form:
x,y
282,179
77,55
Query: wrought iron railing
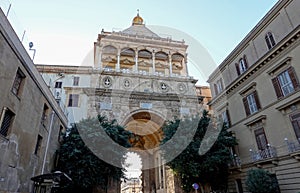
x,y
292,146
269,152
235,161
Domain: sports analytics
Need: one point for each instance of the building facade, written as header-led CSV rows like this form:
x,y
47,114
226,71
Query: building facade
x,y
31,121
138,78
132,185
256,90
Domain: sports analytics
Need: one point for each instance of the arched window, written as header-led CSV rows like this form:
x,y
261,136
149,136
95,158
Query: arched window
x,y
270,40
242,65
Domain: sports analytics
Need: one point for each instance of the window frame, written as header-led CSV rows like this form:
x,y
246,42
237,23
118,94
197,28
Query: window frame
x,y
295,121
226,117
44,114
270,41
38,145
5,129
76,80
258,133
73,102
241,69
219,86
58,84
18,82
293,81
246,100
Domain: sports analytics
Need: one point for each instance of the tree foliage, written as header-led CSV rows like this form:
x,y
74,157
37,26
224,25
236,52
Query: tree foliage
x,y
81,164
191,167
261,181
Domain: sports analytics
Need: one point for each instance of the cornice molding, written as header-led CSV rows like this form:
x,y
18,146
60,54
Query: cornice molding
x,y
280,47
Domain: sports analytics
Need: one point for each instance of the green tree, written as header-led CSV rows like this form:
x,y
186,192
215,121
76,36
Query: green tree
x,y
209,168
261,181
81,164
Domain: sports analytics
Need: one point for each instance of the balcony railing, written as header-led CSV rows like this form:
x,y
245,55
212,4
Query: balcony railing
x,y
293,146
269,152
235,162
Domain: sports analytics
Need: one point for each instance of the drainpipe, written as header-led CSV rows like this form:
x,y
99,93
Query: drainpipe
x,y
48,141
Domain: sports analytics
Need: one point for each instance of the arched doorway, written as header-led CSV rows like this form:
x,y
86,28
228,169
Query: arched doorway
x,y
147,125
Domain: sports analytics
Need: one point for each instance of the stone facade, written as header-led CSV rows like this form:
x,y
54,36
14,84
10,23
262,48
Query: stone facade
x,y
137,78
30,119
256,89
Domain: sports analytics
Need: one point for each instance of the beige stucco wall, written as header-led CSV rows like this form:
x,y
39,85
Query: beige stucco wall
x,y
274,116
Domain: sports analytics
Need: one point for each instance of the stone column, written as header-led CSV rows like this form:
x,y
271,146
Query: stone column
x,y
184,63
170,64
136,60
118,60
159,172
98,58
153,62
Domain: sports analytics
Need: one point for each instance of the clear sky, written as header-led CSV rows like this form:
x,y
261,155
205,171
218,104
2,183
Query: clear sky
x,y
63,31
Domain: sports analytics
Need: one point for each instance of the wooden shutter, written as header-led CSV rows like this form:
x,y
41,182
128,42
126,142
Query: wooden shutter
x,y
268,41
221,81
277,87
261,139
228,118
256,100
293,77
216,89
246,62
237,69
296,127
272,39
246,105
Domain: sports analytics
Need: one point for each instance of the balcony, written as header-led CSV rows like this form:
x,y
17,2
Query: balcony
x,y
293,148
263,156
235,163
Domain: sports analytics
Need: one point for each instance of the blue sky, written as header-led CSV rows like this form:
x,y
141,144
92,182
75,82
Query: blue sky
x,y
63,32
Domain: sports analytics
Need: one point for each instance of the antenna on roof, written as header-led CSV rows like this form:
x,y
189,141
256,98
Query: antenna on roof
x,y
30,48
138,11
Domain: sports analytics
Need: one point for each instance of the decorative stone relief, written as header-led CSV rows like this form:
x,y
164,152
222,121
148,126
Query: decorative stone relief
x,y
107,81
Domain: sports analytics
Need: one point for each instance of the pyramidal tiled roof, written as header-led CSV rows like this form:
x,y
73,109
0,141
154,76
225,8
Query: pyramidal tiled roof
x,y
140,30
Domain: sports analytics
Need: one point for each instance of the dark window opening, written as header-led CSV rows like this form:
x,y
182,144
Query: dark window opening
x,y
76,81
6,122
38,145
270,40
18,82
58,85
73,100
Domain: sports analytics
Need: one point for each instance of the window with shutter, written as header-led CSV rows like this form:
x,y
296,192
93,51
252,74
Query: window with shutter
x,y
237,69
225,117
285,83
251,103
277,88
245,101
261,139
295,119
242,65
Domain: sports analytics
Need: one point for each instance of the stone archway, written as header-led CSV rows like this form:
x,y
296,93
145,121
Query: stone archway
x,y
147,125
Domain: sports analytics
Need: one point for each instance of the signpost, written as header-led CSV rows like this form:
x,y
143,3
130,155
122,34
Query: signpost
x,y
195,186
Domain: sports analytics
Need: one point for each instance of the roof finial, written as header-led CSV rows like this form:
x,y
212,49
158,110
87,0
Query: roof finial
x,y
137,20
